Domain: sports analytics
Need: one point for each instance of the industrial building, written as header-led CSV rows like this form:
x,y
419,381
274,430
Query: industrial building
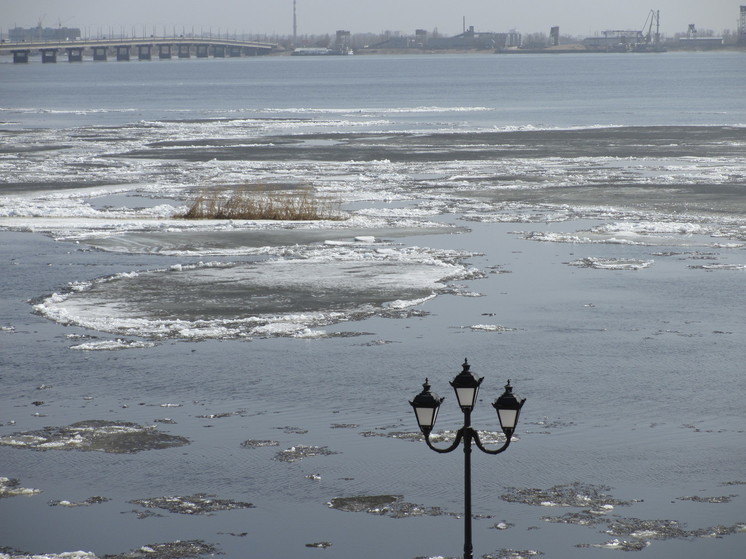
x,y
616,40
692,41
39,33
471,39
468,40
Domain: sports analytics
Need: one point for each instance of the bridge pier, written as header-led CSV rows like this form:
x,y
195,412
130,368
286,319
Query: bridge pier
x,y
184,51
202,51
74,54
218,51
143,52
48,55
164,51
20,56
123,52
99,53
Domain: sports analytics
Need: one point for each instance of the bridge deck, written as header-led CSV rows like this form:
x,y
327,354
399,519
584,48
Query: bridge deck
x,y
7,48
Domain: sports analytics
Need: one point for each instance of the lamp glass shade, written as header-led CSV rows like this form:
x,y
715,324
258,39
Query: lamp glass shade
x,y
466,397
426,417
508,418
466,385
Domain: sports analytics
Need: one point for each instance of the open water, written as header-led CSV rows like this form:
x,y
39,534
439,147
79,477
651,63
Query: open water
x,y
573,223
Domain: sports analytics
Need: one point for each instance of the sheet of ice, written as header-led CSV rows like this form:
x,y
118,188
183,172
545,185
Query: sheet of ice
x,y
611,263
291,296
112,345
489,328
212,152
645,233
12,487
64,555
719,267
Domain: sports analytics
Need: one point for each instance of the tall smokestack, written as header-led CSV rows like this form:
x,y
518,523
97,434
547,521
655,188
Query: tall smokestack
x,y
295,26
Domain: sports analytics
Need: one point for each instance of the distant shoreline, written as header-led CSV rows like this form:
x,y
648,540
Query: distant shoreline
x,y
570,49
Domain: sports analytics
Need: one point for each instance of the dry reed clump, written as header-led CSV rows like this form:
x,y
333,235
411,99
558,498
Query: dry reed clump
x,y
243,203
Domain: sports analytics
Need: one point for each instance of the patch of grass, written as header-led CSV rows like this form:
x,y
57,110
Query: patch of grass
x,y
248,203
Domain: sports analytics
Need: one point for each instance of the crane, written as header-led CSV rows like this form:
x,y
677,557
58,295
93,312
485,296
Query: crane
x,y
653,16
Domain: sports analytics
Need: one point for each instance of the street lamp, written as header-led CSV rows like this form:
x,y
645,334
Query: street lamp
x,y
466,387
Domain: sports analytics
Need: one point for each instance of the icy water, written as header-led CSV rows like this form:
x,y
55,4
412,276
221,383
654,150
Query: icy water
x,y
174,388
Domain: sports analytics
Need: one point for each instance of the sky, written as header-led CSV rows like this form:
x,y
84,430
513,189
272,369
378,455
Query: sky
x,y
574,17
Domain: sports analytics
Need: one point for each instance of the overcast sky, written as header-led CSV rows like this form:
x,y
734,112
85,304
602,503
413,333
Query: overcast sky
x,y
574,17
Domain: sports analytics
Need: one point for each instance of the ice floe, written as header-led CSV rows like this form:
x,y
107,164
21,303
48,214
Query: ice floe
x,y
199,503
570,495
183,549
384,505
299,452
598,510
646,233
513,554
73,504
64,555
252,443
288,297
112,345
95,435
712,267
611,263
488,328
11,487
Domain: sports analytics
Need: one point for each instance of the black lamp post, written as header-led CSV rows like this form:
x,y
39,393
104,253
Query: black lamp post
x,y
466,386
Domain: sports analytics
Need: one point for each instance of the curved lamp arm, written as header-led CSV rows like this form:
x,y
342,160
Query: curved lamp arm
x,y
481,447
454,445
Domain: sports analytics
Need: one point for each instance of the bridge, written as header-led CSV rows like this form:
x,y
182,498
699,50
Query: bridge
x,y
144,48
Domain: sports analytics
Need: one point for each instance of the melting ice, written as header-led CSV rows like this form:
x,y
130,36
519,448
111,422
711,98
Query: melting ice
x,y
276,297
